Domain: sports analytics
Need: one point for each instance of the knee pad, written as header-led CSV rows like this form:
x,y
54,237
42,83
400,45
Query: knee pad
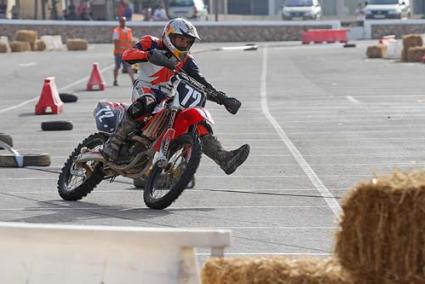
x,y
142,106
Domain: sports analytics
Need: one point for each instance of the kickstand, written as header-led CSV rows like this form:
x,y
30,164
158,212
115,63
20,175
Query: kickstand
x,y
18,157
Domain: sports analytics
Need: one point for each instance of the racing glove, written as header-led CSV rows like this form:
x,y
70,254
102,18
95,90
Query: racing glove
x,y
232,105
158,58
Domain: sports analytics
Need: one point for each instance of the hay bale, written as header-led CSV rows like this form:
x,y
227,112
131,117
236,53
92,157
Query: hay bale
x,y
20,46
77,44
382,230
410,41
266,270
27,36
376,51
3,47
39,45
415,54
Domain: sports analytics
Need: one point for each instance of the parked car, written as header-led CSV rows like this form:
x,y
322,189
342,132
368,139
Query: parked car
x,y
190,9
387,9
301,10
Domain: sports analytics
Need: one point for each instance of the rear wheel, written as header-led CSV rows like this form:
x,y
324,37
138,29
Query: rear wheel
x,y
164,185
78,180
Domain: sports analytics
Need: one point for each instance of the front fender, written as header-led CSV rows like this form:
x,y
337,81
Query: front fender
x,y
189,117
184,120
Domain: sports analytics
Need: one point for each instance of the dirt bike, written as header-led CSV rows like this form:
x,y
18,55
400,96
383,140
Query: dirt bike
x,y
165,150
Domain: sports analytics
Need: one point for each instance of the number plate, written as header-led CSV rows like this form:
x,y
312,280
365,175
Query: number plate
x,y
189,95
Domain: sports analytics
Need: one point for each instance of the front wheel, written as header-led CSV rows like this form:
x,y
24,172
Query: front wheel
x,y
164,185
78,180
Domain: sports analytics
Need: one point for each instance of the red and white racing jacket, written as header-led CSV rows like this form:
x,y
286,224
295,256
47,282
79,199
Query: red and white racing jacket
x,y
154,79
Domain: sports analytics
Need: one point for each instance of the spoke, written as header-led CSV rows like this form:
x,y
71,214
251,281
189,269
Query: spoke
x,y
78,175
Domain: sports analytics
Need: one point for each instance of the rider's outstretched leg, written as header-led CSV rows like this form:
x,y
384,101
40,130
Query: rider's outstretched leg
x,y
228,161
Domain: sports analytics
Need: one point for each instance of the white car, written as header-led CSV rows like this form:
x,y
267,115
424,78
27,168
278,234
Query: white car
x,y
189,9
387,9
301,10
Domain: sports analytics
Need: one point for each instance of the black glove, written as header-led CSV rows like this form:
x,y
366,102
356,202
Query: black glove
x,y
231,104
158,58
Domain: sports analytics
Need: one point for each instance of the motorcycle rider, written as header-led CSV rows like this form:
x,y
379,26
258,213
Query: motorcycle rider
x,y
153,83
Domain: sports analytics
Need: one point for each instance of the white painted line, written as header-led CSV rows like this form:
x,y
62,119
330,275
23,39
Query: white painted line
x,y
60,90
269,253
246,47
353,100
28,64
279,228
332,203
29,178
279,176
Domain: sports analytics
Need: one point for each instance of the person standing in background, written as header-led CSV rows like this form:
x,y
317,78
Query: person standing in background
x,y
159,14
122,6
122,38
128,12
360,14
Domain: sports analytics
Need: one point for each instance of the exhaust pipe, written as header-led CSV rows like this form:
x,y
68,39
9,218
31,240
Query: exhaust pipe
x,y
90,156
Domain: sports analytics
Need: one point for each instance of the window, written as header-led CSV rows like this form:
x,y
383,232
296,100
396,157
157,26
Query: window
x,y
382,2
299,3
181,3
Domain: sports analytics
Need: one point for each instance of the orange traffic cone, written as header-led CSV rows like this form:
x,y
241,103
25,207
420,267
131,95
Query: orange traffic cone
x,y
96,79
49,98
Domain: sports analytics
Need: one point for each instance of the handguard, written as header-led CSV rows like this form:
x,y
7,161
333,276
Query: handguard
x,y
157,58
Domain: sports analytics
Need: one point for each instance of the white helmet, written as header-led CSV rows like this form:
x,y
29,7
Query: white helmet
x,y
182,27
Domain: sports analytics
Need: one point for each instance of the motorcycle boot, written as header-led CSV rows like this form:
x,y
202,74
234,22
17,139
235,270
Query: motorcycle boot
x,y
228,161
112,147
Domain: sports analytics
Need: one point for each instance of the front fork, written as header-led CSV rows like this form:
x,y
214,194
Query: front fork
x,y
160,157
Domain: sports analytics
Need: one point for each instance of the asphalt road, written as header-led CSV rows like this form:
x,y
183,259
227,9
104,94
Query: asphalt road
x,y
319,120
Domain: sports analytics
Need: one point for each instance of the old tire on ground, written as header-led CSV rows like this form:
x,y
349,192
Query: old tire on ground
x,y
6,139
38,160
185,155
8,161
349,45
70,188
68,98
56,125
34,160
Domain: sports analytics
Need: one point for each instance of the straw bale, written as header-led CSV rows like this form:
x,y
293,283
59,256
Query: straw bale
x,y
27,36
404,54
415,54
376,51
382,230
39,45
3,47
19,46
267,270
77,44
412,41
